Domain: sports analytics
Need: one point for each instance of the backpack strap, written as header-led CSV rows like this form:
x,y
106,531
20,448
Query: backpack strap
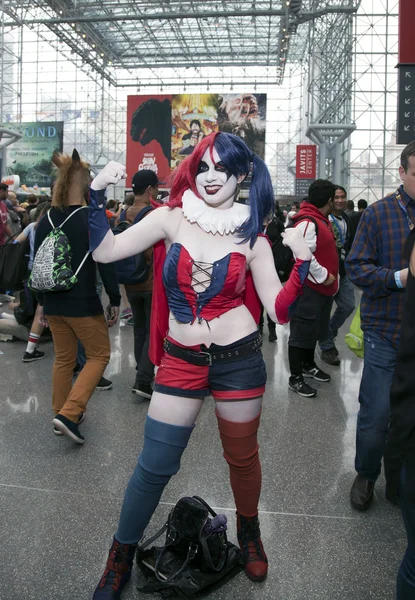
x,y
308,218
82,263
142,214
67,218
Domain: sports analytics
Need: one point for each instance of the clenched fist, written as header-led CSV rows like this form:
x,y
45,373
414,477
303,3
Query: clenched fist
x,y
112,173
293,238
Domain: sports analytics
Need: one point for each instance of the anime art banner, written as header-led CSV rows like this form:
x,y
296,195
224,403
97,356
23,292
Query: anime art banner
x,y
163,130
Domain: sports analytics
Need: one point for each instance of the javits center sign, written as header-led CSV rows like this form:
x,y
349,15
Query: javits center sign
x,y
305,169
162,130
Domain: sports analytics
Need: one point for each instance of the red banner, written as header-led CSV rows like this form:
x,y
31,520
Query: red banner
x,y
306,165
406,32
148,136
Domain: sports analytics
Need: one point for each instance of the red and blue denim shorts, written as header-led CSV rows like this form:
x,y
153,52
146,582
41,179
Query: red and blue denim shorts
x,y
242,379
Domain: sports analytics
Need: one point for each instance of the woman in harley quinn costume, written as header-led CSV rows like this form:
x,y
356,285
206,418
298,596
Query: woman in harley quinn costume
x,y
210,263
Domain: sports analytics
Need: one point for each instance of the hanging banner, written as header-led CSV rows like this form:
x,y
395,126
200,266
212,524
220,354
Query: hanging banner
x,y
148,135
30,157
306,164
406,32
163,130
305,169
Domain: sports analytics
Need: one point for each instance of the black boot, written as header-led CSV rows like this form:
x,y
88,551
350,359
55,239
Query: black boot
x,y
249,538
117,571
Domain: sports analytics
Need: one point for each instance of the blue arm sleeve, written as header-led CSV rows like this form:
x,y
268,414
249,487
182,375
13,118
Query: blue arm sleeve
x,y
98,221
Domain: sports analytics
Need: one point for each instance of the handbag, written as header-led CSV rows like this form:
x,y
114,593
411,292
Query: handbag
x,y
354,339
196,557
14,261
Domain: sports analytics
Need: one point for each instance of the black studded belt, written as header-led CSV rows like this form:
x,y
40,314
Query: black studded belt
x,y
211,357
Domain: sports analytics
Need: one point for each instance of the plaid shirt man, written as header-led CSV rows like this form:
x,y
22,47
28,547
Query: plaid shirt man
x,y
375,258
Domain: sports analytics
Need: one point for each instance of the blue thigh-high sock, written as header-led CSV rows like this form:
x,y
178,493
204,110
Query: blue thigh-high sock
x,y
164,445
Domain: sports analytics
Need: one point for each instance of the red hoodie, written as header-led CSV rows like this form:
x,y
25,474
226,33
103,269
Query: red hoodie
x,y
326,252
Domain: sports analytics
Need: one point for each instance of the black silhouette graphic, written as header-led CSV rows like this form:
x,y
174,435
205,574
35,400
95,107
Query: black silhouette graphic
x,y
152,121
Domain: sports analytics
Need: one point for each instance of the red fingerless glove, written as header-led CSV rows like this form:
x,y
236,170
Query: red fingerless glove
x,y
287,298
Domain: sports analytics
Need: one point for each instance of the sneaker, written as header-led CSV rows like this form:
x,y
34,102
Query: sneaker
x,y
81,419
331,357
104,384
126,313
297,384
272,336
130,322
68,428
141,389
31,356
316,374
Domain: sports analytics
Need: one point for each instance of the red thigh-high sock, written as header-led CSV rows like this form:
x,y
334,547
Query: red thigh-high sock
x,y
240,449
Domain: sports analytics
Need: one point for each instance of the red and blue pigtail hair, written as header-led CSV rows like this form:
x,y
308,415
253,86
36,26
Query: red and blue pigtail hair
x,y
237,157
184,178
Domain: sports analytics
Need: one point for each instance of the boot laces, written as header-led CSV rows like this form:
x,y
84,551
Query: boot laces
x,y
250,538
118,562
111,578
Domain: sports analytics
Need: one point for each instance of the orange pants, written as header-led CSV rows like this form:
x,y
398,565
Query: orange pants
x,y
67,399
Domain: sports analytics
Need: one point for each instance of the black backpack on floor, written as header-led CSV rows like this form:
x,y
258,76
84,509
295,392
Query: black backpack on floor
x,y
196,556
283,256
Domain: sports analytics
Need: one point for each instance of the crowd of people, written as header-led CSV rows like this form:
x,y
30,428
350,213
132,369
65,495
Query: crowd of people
x,y
197,275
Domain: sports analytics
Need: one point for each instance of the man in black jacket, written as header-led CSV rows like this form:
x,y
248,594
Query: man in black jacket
x,y
344,299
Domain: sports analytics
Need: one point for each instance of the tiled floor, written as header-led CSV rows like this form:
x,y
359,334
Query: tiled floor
x,y
59,503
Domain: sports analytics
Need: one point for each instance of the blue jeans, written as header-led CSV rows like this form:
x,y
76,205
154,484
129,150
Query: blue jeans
x,y
346,304
374,411
406,575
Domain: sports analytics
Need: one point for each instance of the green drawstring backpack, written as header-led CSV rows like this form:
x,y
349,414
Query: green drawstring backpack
x,y
354,339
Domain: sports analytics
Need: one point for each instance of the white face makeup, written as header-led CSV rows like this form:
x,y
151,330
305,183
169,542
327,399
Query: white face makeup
x,y
214,182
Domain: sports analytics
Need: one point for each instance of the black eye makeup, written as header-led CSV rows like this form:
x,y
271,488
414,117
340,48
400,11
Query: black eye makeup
x,y
202,168
220,167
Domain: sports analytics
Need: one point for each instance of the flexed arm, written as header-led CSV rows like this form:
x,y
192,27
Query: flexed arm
x,y
279,301
105,246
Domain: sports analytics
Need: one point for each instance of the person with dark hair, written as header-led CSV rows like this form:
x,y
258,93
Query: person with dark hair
x,y
145,185
349,208
344,299
209,260
377,266
273,230
5,231
129,199
191,139
311,317
355,216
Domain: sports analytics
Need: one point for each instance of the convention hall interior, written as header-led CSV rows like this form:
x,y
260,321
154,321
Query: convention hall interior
x,y
319,75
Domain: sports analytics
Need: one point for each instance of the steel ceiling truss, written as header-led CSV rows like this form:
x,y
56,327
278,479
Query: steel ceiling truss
x,y
130,42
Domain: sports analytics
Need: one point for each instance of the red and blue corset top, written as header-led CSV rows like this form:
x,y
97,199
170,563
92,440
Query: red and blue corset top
x,y
222,284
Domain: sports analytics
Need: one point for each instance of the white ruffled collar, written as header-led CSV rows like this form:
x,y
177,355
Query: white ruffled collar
x,y
213,220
